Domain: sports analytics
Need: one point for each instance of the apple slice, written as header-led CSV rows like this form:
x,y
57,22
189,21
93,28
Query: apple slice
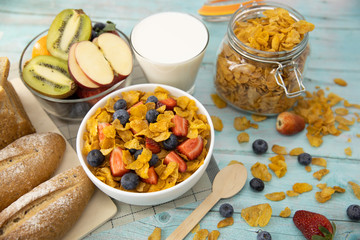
x,y
118,54
76,73
93,63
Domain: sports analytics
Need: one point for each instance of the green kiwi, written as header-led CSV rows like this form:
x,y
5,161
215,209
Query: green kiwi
x,y
49,76
68,27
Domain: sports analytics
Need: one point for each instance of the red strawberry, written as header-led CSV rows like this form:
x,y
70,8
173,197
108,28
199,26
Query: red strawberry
x,y
288,123
117,165
314,225
84,93
135,105
191,147
153,177
169,102
153,146
181,126
174,157
101,126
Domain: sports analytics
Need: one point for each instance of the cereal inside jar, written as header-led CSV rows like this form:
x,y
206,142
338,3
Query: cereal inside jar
x,y
262,58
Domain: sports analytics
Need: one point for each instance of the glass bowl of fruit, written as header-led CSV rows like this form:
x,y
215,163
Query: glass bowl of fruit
x,y
75,63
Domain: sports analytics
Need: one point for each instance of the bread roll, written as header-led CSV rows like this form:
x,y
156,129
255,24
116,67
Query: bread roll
x,y
27,162
50,209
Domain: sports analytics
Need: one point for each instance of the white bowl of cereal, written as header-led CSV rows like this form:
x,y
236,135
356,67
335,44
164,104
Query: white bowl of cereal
x,y
146,144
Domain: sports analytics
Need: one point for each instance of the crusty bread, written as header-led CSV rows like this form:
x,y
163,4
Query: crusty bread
x,y
14,122
27,162
50,209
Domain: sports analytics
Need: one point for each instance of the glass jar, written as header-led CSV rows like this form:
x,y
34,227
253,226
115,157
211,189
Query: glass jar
x,y
256,81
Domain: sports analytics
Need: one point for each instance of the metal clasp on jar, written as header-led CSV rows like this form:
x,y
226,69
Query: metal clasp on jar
x,y
279,80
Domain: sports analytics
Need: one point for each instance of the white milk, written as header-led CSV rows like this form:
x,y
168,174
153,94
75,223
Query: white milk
x,y
169,47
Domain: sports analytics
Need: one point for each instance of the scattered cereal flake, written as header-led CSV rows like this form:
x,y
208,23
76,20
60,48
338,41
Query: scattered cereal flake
x,y
258,118
348,151
156,234
321,199
356,188
217,122
202,234
341,111
214,235
347,104
319,161
344,121
340,82
279,149
339,189
357,117
241,123
285,213
321,185
196,228
277,158
321,173
235,162
278,167
259,170
218,101
291,193
243,137
296,151
226,222
326,192
308,168
302,187
257,215
275,196
349,140
358,135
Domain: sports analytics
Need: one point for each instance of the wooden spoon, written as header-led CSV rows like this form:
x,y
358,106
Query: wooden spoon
x,y
229,181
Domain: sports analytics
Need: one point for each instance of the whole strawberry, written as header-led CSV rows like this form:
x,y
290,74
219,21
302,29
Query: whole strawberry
x,y
314,226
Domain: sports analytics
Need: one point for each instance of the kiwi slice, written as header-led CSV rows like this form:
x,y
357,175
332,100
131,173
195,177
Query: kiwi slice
x,y
68,27
49,76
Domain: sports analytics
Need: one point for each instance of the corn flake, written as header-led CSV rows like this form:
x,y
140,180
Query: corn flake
x,y
340,82
279,149
217,122
356,189
196,228
275,196
257,215
308,168
319,161
339,189
321,185
218,101
226,222
258,118
243,137
214,235
241,123
285,213
296,151
341,111
259,170
202,234
348,151
302,187
156,234
321,173
292,193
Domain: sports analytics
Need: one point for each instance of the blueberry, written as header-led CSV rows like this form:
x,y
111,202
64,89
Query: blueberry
x,y
170,143
122,115
353,212
95,158
151,115
257,184
130,180
304,159
154,160
132,151
226,210
152,98
260,146
263,235
99,26
94,34
137,153
120,104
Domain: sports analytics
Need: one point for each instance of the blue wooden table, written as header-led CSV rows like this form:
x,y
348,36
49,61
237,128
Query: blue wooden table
x,y
334,54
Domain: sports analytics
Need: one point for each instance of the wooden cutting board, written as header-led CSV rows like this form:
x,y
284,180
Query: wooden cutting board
x,y
100,208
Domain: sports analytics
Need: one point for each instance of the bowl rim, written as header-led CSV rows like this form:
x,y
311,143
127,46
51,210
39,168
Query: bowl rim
x,y
71,100
171,89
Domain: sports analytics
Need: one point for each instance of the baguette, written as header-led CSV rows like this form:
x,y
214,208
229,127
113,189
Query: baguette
x,y
27,162
50,209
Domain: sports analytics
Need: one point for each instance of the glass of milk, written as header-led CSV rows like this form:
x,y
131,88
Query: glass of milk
x,y
169,47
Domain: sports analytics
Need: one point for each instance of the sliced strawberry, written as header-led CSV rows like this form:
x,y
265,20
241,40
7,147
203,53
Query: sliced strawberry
x,y
191,147
135,105
117,165
153,146
181,126
153,177
174,157
169,102
101,127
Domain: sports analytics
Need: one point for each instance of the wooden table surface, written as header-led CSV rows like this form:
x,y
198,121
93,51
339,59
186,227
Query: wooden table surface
x,y
334,54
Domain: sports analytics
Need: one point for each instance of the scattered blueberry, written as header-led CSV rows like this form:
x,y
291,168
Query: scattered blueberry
x,y
120,104
353,212
99,26
132,151
257,184
154,160
122,115
263,235
95,158
260,146
152,98
170,143
94,34
129,180
151,115
137,153
304,159
226,210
